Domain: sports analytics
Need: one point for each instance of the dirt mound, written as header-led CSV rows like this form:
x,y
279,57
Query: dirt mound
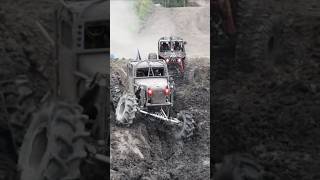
x,y
148,149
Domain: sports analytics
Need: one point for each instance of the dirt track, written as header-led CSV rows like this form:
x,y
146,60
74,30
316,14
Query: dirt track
x,y
191,23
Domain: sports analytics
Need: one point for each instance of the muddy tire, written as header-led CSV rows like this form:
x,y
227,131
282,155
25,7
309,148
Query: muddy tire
x,y
188,126
239,167
115,90
126,110
7,168
54,144
177,76
258,39
18,103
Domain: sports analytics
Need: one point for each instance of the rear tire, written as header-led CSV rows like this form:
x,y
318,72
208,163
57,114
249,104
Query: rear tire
x,y
7,168
126,110
188,126
54,144
115,89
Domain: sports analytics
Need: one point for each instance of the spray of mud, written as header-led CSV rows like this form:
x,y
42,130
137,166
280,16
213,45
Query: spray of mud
x,y
128,34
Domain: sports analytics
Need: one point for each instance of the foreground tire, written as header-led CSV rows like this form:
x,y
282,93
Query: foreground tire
x,y
54,144
126,110
259,39
115,89
188,126
7,168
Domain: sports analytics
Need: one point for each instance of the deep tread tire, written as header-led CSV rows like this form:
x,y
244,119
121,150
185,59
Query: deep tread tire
x,y
54,144
7,168
188,126
175,73
126,109
18,103
259,36
115,89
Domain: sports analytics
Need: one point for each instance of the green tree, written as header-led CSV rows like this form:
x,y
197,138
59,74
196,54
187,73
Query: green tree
x,y
172,3
143,8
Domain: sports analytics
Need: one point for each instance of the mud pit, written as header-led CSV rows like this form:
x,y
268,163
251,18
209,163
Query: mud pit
x,y
148,150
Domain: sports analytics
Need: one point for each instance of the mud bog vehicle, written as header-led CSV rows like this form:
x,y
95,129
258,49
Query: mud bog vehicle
x,y
68,138
172,51
149,93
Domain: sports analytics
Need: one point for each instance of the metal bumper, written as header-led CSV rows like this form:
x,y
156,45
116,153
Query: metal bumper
x,y
164,104
163,117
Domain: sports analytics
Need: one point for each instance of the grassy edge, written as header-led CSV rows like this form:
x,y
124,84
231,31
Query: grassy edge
x,y
143,9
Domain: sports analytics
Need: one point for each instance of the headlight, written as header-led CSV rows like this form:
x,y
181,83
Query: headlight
x,y
179,60
167,60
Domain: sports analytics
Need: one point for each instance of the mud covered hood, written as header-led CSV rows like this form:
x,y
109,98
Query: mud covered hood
x,y
157,85
154,83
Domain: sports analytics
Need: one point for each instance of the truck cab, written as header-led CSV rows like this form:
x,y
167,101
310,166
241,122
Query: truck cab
x,y
172,51
151,83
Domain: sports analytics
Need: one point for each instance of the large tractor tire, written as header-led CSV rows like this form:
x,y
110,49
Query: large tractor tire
x,y
115,90
126,110
188,125
176,74
54,144
259,35
8,170
17,104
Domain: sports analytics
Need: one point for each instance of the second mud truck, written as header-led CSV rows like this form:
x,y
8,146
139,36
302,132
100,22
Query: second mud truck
x,y
172,51
149,92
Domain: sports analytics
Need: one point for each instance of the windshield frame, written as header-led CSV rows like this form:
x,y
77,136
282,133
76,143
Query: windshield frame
x,y
171,45
151,71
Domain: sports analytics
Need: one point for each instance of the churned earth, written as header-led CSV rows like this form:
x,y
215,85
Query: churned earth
x,y
266,101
